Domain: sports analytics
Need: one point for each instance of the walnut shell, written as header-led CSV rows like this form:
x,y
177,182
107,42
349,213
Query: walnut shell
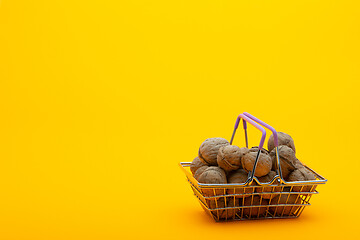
x,y
239,176
244,150
302,174
287,160
255,211
285,199
265,179
224,203
256,149
213,175
229,157
196,164
298,163
199,171
209,149
263,166
283,139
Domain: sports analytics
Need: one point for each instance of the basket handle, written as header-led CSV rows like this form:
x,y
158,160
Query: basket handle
x,y
246,119
276,142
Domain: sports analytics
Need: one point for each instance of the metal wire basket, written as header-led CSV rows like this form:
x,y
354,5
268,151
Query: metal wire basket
x,y
253,199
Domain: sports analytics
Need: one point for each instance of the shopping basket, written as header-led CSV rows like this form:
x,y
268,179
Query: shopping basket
x,y
247,200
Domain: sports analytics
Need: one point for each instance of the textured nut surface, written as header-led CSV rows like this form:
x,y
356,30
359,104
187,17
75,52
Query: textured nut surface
x,y
224,203
209,149
243,151
199,171
285,199
287,160
263,166
239,176
256,149
229,157
265,179
283,139
255,211
298,163
196,164
302,174
213,175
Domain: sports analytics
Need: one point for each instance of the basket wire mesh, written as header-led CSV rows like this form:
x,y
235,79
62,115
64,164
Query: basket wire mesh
x,y
250,203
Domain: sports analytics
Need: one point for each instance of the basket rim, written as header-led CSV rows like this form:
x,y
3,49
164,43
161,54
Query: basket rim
x,y
191,178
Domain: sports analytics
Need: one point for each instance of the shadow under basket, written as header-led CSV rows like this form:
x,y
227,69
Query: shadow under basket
x,y
228,202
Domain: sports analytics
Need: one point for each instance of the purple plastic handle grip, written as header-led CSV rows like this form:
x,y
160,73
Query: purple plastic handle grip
x,y
276,142
237,123
245,118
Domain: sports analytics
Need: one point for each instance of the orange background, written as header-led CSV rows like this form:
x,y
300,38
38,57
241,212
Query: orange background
x,y
100,101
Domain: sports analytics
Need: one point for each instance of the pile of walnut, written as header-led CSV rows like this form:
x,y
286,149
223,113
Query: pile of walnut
x,y
218,162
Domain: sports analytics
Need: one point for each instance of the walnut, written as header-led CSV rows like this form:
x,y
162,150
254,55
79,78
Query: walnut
x,y
287,160
239,176
199,171
302,174
298,163
256,149
244,150
255,211
285,199
263,166
209,149
229,157
213,175
196,164
265,179
283,139
224,203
